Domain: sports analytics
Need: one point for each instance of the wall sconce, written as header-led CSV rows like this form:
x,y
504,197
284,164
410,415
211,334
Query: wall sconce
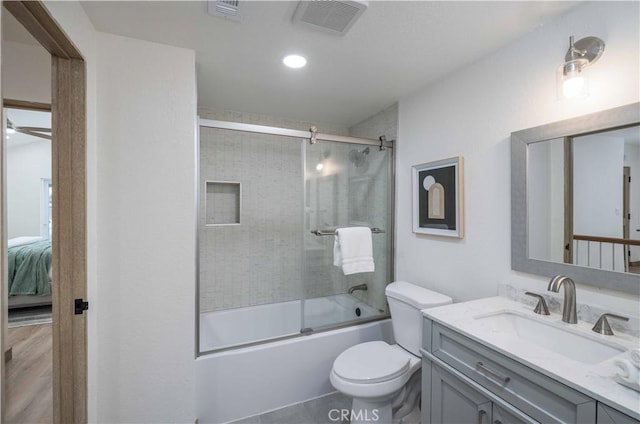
x,y
571,80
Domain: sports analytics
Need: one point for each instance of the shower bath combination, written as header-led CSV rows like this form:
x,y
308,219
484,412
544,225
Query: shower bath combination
x,y
261,240
268,292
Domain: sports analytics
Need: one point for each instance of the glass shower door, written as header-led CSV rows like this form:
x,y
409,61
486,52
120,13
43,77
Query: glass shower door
x,y
346,185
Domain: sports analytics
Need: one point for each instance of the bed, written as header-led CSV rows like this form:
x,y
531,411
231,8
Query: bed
x,y
29,271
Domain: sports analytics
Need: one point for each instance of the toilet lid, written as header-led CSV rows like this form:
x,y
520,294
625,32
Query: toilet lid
x,y
371,362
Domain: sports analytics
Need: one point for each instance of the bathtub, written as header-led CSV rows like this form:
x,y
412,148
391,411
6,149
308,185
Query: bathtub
x,y
233,327
246,381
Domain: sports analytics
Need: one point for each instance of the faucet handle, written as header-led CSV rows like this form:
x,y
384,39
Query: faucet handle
x,y
602,325
541,307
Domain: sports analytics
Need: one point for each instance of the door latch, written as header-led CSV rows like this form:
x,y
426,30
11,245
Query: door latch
x,y
80,306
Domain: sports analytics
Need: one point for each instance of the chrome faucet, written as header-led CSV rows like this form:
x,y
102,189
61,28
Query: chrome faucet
x,y
362,287
569,313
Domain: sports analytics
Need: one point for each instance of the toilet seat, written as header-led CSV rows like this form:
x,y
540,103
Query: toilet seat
x,y
372,362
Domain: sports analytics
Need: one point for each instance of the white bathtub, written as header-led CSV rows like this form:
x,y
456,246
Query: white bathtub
x,y
241,382
239,326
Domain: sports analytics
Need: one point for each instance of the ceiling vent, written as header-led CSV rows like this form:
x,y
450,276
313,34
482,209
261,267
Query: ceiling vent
x,y
229,9
331,16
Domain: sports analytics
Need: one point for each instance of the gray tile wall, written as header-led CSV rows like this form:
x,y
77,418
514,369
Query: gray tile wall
x,y
262,260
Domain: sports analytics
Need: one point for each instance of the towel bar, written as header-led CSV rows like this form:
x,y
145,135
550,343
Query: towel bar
x,y
374,230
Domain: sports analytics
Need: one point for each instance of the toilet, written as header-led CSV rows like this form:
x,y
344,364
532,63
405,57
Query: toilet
x,y
384,380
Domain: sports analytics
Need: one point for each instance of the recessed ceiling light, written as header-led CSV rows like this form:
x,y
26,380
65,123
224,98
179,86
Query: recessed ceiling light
x,y
294,61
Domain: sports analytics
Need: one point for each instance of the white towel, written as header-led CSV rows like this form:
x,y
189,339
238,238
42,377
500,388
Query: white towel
x,y
353,250
628,375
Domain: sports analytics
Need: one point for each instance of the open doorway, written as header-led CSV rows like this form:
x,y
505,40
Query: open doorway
x,y
63,198
29,228
26,88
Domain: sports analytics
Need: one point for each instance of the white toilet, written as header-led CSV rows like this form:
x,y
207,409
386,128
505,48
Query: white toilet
x,y
384,380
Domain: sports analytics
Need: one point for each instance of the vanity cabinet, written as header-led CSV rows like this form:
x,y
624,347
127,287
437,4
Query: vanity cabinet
x,y
497,389
455,401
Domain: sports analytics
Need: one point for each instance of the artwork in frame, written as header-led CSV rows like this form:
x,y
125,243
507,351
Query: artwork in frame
x,y
438,198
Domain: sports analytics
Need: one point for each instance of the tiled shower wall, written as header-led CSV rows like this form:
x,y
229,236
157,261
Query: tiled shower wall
x,y
260,260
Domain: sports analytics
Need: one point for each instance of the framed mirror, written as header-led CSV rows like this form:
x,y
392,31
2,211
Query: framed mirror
x,y
575,203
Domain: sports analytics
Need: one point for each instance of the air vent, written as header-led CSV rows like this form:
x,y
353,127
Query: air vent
x,y
331,16
229,9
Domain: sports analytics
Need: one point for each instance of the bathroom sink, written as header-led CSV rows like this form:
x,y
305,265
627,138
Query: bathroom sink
x,y
551,336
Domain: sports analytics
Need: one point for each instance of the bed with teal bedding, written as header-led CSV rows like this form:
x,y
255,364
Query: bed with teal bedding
x,y
29,266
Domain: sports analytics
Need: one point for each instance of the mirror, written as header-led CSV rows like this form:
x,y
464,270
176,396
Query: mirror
x,y
575,210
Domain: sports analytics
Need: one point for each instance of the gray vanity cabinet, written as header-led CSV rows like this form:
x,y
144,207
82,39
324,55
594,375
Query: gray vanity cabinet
x,y
608,415
453,401
465,381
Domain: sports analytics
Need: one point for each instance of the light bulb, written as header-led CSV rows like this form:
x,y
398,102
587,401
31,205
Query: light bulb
x,y
572,87
294,61
572,82
320,166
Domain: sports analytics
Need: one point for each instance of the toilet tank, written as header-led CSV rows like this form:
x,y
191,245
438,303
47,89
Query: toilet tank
x,y
406,300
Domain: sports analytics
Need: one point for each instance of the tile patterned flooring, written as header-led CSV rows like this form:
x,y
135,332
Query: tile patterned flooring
x,y
314,411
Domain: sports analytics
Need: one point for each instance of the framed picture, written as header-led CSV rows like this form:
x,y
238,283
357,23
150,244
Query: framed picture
x,y
437,198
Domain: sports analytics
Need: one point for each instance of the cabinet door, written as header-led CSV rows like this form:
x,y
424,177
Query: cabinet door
x,y
502,416
608,415
454,402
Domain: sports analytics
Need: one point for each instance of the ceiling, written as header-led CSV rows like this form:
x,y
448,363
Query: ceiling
x,y
26,118
395,48
12,30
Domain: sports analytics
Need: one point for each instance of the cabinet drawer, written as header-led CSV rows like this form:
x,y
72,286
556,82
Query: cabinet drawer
x,y
536,395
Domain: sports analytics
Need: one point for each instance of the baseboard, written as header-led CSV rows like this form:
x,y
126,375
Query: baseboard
x,y
8,354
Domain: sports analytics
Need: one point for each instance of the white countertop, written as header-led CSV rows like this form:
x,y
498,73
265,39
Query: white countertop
x,y
594,380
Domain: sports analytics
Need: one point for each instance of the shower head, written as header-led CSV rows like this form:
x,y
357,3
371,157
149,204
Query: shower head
x,y
357,157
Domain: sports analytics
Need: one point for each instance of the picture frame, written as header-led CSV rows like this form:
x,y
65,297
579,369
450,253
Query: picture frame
x,y
438,197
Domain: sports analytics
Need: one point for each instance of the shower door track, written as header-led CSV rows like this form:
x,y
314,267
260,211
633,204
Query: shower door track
x,y
261,129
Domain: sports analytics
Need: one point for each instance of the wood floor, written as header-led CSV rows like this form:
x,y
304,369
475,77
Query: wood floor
x,y
28,375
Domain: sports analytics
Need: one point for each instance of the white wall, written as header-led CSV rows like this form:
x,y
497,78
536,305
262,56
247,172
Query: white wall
x,y
597,172
146,108
26,72
473,113
27,165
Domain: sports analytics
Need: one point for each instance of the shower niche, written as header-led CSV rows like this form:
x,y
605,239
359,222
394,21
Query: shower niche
x,y
222,203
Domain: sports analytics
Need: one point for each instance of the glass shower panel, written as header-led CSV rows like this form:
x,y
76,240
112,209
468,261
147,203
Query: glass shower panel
x,y
346,185
250,247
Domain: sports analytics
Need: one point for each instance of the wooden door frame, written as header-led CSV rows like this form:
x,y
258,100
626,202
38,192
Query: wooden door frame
x,y
69,246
